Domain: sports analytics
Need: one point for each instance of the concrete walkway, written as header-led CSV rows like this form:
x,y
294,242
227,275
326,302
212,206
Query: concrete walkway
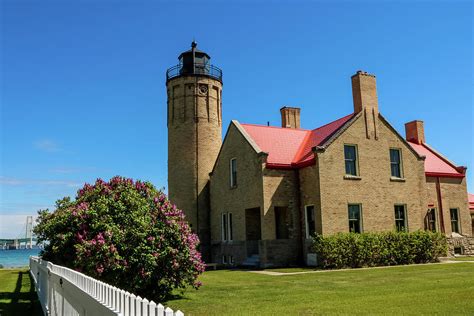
x,y
275,273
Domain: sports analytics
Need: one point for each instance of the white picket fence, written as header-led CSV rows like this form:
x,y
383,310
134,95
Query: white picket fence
x,y
62,291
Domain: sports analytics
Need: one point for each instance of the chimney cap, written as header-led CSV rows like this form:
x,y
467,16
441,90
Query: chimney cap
x,y
362,73
414,121
290,107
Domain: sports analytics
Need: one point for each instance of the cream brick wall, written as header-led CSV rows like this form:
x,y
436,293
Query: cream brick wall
x,y
249,190
375,190
453,195
280,189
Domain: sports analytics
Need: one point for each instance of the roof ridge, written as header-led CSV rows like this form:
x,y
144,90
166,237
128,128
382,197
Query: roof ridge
x,y
332,122
281,128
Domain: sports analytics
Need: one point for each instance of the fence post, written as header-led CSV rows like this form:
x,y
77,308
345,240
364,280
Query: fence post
x,y
145,304
160,309
168,312
138,306
152,309
179,313
132,305
126,307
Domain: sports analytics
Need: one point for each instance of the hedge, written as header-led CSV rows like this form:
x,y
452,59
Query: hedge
x,y
351,250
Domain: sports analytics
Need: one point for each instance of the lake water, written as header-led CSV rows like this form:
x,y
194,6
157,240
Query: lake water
x,y
17,258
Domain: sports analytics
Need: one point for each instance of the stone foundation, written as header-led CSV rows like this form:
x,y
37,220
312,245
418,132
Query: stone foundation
x,y
461,246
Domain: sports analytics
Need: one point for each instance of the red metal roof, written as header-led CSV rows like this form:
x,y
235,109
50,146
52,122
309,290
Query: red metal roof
x,y
292,148
471,201
288,147
435,164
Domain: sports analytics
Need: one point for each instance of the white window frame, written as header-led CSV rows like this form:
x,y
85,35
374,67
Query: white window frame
x,y
435,213
361,223
402,176
458,221
231,178
306,219
405,215
356,162
226,226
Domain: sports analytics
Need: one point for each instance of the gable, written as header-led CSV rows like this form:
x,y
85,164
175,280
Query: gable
x,y
290,148
236,139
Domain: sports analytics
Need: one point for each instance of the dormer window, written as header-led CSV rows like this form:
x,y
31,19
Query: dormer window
x,y
233,173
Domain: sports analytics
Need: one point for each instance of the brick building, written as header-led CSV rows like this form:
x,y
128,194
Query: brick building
x,y
257,196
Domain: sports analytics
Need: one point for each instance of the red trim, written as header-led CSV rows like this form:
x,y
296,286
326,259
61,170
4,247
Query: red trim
x,y
444,175
290,166
303,164
278,166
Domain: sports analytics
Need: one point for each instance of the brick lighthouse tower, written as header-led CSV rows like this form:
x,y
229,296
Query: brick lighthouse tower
x,y
194,88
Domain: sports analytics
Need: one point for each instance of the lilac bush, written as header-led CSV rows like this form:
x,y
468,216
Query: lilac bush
x,y
125,233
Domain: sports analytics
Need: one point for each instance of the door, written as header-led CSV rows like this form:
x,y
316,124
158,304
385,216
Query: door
x,y
253,230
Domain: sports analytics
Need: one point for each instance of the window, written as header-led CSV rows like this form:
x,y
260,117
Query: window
x,y
281,225
310,222
355,218
224,259
395,163
401,218
226,227
431,220
454,220
350,158
233,173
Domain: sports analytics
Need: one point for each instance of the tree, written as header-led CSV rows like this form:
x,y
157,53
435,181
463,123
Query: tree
x,y
125,233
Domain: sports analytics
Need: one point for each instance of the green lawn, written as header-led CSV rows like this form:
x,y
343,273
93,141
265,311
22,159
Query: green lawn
x,y
17,293
443,289
462,259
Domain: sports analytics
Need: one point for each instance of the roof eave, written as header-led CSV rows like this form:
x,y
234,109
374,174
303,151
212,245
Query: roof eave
x,y
247,137
444,175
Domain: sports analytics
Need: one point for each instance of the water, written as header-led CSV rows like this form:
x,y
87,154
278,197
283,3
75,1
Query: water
x,y
17,258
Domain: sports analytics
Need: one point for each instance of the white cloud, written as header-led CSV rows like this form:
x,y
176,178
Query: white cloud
x,y
71,169
18,181
46,145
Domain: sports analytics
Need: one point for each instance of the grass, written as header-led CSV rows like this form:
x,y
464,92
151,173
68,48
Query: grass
x,y
291,270
408,290
17,293
462,259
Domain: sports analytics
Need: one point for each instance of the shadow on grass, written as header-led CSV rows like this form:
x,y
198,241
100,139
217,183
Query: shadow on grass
x,y
21,302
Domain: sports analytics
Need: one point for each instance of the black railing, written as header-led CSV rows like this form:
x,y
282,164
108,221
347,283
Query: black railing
x,y
198,69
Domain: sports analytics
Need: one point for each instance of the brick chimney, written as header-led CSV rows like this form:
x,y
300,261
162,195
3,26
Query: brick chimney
x,y
364,92
290,117
364,95
415,132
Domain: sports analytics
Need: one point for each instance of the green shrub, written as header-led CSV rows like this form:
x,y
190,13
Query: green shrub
x,y
351,250
125,233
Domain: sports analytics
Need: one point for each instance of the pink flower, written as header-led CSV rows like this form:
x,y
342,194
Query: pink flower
x,y
99,269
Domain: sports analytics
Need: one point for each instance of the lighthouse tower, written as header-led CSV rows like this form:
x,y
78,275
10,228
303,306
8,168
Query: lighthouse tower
x,y
194,88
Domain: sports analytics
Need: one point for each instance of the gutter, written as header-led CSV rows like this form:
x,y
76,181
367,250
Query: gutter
x,y
440,205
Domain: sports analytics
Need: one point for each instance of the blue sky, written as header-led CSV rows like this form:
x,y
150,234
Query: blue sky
x,y
83,83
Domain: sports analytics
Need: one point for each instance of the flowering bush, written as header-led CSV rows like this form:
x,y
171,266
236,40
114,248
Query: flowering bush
x,y
124,233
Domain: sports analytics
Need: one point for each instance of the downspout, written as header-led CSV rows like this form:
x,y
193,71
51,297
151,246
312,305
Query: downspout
x,y
301,214
440,205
